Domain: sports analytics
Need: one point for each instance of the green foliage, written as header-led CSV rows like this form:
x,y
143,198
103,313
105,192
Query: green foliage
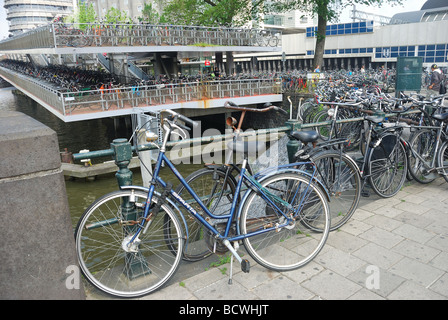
x,y
86,14
209,12
114,15
149,14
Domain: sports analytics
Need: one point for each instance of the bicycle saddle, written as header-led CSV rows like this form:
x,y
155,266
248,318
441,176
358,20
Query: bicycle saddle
x,y
305,136
441,117
247,147
375,119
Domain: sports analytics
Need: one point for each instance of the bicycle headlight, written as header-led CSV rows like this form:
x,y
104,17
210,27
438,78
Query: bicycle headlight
x,y
330,112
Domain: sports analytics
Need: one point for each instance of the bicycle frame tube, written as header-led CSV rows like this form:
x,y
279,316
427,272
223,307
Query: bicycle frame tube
x,y
163,158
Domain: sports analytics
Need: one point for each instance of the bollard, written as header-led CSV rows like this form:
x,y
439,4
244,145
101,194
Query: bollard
x,y
122,155
293,145
136,264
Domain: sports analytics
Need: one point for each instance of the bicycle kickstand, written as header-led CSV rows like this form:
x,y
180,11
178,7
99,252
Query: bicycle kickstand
x,y
245,266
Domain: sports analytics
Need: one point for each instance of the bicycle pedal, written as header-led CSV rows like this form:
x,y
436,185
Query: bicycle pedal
x,y
245,266
365,194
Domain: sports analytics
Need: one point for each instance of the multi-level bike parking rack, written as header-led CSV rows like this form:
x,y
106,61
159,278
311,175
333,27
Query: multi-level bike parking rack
x,y
122,40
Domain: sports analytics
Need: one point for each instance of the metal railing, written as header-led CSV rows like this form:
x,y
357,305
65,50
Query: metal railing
x,y
147,95
98,100
58,35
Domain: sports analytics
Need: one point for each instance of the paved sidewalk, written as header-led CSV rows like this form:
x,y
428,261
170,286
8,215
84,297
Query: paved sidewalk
x,y
391,249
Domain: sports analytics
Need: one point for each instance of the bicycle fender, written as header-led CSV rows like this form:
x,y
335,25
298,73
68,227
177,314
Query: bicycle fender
x,y
168,200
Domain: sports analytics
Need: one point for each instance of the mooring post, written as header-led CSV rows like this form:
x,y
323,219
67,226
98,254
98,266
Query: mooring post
x,y
122,156
136,264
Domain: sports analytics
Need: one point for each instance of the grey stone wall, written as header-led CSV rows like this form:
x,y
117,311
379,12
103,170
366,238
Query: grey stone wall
x,y
37,246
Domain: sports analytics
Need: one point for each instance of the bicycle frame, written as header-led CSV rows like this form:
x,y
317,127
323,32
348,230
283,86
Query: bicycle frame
x,y
162,159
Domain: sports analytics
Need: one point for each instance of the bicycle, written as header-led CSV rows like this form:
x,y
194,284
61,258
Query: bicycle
x,y
383,166
338,172
428,150
126,248
216,183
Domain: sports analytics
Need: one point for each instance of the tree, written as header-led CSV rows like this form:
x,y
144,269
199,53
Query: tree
x,y
114,15
84,14
149,14
209,12
326,11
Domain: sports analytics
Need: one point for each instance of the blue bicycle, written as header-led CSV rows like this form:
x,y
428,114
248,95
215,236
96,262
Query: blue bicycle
x,y
130,242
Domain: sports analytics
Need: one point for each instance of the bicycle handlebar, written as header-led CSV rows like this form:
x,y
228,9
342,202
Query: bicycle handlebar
x,y
267,107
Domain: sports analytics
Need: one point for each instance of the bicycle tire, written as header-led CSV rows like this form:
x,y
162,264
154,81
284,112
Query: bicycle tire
x,y
443,160
323,130
341,176
423,143
387,166
293,246
100,239
208,184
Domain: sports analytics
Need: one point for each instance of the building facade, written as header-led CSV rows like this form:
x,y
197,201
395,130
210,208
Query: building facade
x,y
421,33
24,15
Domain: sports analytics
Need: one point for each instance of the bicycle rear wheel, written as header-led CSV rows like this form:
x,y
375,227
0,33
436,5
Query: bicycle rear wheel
x,y
216,192
107,263
423,143
293,245
388,166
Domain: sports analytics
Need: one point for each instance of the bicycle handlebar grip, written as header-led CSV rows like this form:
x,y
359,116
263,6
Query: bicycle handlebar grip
x,y
188,120
281,110
230,104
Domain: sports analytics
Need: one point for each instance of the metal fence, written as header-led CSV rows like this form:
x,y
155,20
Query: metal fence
x,y
69,103
142,96
59,35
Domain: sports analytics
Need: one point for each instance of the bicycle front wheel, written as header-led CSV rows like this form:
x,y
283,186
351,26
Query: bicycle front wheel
x,y
288,246
388,166
340,175
103,233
